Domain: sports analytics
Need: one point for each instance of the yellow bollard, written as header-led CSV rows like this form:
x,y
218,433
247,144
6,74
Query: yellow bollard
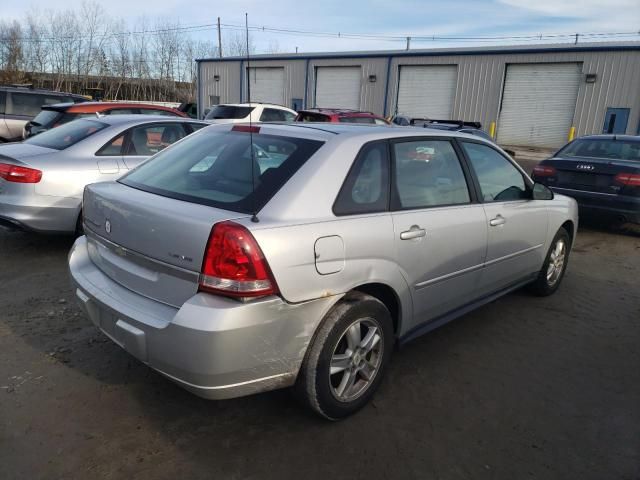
x,y
572,133
492,130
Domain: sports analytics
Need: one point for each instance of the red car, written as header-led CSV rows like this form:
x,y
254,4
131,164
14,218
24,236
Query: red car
x,y
55,115
341,115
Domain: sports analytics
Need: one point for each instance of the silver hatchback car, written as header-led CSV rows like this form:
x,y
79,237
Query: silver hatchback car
x,y
42,178
248,258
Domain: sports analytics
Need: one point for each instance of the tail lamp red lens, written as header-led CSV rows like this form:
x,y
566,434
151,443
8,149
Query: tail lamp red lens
x,y
544,171
18,174
234,264
629,179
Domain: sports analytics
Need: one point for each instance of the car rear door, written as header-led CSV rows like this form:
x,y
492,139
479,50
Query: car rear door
x,y
517,224
439,227
146,140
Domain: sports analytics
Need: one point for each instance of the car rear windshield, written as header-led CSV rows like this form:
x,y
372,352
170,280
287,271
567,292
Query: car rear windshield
x,y
46,118
312,117
602,148
228,111
217,169
66,135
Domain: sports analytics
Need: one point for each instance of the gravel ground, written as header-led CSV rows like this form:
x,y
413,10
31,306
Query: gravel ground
x,y
525,387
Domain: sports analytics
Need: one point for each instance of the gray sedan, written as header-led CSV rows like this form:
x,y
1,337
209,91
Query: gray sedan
x,y
249,258
42,178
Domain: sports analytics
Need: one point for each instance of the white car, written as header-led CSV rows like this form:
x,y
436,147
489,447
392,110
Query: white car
x,y
240,113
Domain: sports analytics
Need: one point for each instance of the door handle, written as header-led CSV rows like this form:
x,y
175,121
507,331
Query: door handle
x,y
498,220
414,232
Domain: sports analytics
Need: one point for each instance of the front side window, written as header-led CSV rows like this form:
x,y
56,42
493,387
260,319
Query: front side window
x,y
148,140
67,135
27,104
499,180
219,169
366,188
428,174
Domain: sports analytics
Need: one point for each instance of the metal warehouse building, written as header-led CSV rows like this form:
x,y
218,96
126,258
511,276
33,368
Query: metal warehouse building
x,y
534,94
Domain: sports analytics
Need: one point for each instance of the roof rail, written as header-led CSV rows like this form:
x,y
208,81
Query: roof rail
x,y
461,123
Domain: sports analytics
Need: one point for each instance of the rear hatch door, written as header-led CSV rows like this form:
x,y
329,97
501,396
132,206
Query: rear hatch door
x,y
150,244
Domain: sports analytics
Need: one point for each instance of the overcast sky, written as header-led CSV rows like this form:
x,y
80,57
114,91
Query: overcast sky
x,y
379,17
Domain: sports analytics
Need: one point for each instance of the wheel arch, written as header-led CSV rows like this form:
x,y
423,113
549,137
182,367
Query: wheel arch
x,y
389,297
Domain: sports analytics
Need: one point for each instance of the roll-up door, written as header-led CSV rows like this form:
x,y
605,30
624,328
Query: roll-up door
x,y
267,84
427,91
338,87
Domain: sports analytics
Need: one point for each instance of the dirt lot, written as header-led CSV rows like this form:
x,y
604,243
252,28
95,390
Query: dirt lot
x,y
523,388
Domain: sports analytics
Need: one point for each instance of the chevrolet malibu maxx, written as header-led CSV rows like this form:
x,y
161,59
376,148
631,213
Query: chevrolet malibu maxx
x,y
246,258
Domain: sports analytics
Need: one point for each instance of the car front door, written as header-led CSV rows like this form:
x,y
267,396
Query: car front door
x,y
440,229
147,140
517,224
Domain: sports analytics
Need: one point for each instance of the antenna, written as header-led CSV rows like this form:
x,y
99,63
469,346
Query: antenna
x,y
254,217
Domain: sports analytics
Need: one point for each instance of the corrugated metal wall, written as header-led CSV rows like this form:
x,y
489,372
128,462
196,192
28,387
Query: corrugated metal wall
x,y
479,82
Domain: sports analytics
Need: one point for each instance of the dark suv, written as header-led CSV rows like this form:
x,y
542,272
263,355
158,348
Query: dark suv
x,y
19,104
341,115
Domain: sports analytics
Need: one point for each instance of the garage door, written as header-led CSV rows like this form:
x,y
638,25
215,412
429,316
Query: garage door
x,y
267,85
538,104
338,87
427,91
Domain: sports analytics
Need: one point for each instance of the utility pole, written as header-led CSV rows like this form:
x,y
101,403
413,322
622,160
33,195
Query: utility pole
x,y
408,42
219,39
296,49
577,35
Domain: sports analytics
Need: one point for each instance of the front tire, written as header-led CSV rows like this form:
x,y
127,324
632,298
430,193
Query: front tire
x,y
554,266
347,359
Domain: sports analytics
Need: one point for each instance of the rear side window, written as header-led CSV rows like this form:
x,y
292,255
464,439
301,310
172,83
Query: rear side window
x,y
3,97
29,104
223,169
66,135
276,115
46,118
428,174
120,111
148,140
155,111
228,112
366,188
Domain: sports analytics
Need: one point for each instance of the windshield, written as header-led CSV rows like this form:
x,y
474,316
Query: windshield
x,y
602,148
216,169
66,135
45,118
228,111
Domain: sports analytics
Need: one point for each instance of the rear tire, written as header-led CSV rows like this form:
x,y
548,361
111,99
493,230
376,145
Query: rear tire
x,y
554,266
346,361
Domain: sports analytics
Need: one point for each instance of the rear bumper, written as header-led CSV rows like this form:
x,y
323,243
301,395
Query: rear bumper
x,y
52,218
605,204
214,347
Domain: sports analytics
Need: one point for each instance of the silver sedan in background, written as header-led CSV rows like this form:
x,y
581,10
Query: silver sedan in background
x,y
42,178
248,258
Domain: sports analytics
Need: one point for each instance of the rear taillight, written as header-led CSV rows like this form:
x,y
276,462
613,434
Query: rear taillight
x,y
544,171
628,179
18,174
234,265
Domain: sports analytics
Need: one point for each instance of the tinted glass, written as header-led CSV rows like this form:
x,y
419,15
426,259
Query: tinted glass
x,y
366,188
197,126
218,169
46,118
428,174
499,179
312,117
602,148
228,111
66,135
3,97
150,139
370,120
273,115
120,111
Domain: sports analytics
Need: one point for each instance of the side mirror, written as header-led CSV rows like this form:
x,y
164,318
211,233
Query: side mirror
x,y
541,192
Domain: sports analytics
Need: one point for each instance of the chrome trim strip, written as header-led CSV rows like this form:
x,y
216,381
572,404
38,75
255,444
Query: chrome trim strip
x,y
142,260
475,267
562,189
